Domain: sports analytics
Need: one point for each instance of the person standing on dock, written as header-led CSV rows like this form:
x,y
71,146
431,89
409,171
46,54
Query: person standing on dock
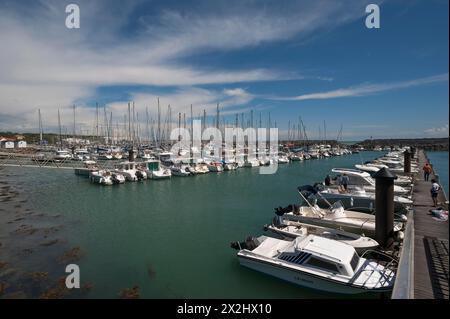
x,y
435,188
427,171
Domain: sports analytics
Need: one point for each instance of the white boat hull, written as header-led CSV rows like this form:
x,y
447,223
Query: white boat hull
x,y
297,277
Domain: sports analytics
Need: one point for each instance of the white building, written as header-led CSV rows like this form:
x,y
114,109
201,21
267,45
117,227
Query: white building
x,y
8,144
21,144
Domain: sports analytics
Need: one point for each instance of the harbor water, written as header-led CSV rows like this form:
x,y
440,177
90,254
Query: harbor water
x,y
169,237
439,160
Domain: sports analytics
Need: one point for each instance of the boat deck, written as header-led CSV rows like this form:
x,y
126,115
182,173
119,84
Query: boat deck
x,y
430,242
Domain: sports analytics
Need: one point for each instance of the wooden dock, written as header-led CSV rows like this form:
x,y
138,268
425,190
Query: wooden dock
x,y
431,257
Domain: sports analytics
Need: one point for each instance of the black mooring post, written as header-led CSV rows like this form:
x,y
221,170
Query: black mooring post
x,y
407,162
130,155
384,205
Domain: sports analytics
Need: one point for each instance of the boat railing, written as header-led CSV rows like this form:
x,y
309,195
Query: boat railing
x,y
391,266
388,269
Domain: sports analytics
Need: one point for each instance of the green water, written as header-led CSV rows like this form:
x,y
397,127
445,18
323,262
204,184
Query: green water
x,y
179,228
439,160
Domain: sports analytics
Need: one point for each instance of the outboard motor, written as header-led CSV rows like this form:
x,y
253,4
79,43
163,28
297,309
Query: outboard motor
x,y
139,175
250,243
277,221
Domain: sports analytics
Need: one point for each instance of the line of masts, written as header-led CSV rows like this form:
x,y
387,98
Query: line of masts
x,y
157,131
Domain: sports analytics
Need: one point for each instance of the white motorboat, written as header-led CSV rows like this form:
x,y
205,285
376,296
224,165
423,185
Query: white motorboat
x,y
368,168
317,262
215,167
102,177
355,197
117,155
180,170
251,163
104,156
155,171
145,154
283,159
335,217
81,155
296,157
290,229
401,180
229,166
88,167
117,178
62,155
131,171
363,179
265,162
314,152
199,168
240,163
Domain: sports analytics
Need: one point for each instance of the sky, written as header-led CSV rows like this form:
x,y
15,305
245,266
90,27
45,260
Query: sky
x,y
311,59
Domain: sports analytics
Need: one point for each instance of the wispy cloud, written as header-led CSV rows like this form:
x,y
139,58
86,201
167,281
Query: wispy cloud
x,y
366,89
438,131
44,65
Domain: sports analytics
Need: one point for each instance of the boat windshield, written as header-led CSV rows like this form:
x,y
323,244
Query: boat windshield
x,y
354,262
337,205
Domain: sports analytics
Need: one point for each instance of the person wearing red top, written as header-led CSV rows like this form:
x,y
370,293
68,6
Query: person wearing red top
x,y
426,171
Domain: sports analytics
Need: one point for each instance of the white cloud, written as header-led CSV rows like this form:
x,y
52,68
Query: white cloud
x,y
438,131
367,89
44,65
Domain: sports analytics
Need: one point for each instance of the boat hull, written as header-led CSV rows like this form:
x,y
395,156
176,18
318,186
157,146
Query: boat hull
x,y
298,277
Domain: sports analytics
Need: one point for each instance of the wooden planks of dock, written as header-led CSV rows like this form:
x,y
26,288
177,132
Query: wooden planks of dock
x,y
431,257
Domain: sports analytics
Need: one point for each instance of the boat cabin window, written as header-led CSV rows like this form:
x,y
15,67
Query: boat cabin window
x,y
354,262
325,265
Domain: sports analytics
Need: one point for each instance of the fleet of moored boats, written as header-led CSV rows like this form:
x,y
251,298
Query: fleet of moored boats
x,y
328,243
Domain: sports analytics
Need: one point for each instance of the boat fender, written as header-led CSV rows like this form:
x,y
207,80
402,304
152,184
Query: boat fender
x,y
403,217
400,235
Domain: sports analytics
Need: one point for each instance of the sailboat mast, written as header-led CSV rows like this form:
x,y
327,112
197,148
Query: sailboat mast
x,y
96,126
159,125
74,125
129,122
59,127
217,119
134,125
40,127
204,120
147,125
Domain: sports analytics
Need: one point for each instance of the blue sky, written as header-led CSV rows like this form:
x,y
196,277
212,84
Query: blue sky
x,y
314,59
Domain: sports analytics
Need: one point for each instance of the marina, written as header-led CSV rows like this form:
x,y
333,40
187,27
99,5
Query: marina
x,y
219,223
234,156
